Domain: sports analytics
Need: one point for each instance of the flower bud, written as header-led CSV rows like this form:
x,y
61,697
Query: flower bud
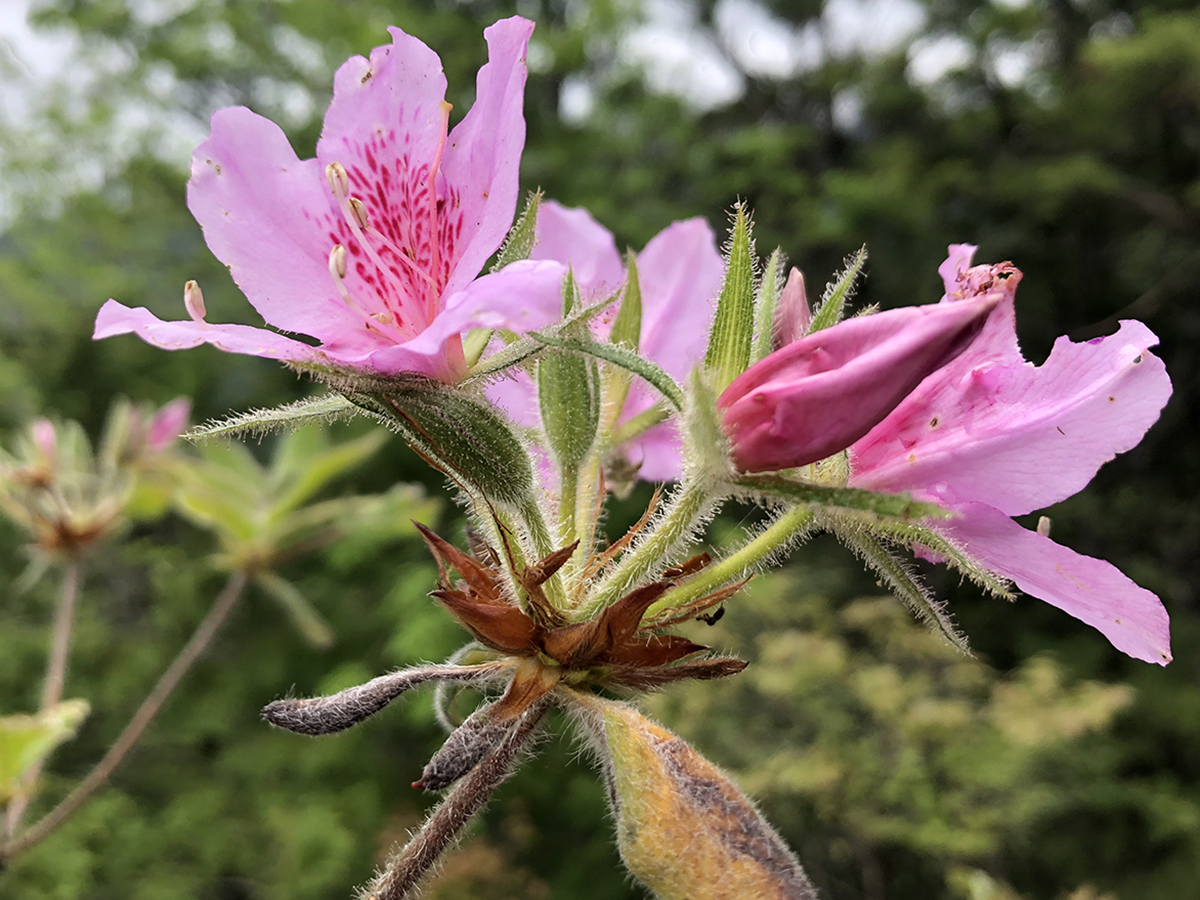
x,y
793,315
167,424
818,395
683,828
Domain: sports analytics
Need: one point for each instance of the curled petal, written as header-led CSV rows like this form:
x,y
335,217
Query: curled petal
x,y
818,395
1091,590
1019,437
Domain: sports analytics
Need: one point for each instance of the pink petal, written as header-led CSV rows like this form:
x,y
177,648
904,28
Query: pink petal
x,y
658,451
572,237
1091,590
680,274
817,395
521,297
115,318
265,214
483,154
1019,437
385,126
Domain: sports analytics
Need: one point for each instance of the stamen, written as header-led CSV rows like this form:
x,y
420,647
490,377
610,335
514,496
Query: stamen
x,y
193,301
339,183
337,268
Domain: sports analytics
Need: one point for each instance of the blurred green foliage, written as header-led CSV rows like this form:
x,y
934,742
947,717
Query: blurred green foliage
x,y
1048,765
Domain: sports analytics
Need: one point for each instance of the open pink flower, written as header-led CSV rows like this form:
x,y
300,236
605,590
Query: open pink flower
x,y
372,248
679,273
992,436
817,395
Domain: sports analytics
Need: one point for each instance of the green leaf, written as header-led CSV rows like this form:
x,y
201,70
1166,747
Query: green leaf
x,y
310,623
833,305
27,740
326,408
305,463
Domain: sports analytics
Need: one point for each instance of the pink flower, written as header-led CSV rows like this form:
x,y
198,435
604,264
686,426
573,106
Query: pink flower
x,y
992,436
817,395
372,248
679,273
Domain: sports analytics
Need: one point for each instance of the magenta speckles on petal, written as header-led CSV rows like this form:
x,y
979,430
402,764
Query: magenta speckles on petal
x,y
363,247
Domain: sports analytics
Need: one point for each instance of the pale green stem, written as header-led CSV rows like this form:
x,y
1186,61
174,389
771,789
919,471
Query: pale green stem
x,y
689,506
52,689
568,497
543,546
643,421
158,696
777,536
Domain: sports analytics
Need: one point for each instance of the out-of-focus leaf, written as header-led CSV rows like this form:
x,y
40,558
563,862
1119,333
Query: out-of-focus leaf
x,y
26,740
305,463
310,623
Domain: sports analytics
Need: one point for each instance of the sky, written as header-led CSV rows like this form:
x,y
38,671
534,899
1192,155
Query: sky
x,y
677,55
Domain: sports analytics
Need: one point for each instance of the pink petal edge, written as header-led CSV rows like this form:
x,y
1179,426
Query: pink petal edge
x,y
1092,590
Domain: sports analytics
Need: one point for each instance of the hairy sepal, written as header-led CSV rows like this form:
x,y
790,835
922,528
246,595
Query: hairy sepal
x,y
833,304
464,437
898,576
707,453
770,286
732,337
326,408
901,506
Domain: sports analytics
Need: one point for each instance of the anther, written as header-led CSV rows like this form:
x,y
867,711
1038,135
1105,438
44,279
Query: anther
x,y
337,262
339,180
193,301
358,209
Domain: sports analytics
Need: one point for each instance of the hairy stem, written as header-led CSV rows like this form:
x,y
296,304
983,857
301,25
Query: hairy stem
x,y
405,870
52,689
789,526
687,511
141,720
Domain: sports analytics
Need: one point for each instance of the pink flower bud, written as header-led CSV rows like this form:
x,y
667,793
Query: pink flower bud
x,y
168,423
793,315
45,438
818,395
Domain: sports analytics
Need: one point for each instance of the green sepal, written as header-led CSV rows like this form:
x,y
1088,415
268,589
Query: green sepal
x,y
913,534
522,236
258,422
833,304
569,399
896,506
464,437
627,326
707,453
732,335
899,578
618,356
770,286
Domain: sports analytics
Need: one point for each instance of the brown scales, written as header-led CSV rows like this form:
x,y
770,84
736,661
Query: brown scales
x,y
616,648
